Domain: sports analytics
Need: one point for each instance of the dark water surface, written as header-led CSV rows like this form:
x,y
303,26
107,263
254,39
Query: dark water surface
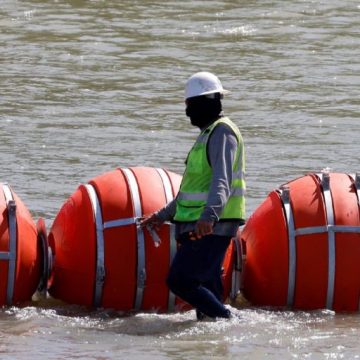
x,y
88,86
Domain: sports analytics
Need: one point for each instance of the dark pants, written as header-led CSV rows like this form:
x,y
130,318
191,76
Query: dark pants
x,y
195,273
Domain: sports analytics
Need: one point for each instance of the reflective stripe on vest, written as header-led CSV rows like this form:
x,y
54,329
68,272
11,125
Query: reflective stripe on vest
x,y
202,196
193,193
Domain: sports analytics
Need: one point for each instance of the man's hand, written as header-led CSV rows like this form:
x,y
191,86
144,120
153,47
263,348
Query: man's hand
x,y
151,220
203,228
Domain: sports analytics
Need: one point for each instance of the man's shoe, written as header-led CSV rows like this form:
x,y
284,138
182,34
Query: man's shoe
x,y
199,315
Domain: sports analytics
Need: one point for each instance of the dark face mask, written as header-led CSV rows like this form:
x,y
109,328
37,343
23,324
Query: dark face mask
x,y
202,110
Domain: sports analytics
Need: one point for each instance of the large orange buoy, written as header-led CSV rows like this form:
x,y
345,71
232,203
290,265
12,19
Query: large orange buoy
x,y
102,258
20,253
303,245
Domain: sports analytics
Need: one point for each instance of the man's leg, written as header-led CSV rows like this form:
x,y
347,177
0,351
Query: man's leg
x,y
196,264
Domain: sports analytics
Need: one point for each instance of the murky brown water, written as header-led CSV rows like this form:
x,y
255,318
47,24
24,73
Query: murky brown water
x,y
87,86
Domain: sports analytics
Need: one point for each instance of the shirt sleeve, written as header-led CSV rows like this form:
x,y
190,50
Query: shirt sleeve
x,y
221,151
167,213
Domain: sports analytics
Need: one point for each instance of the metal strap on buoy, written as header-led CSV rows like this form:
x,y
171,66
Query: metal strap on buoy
x,y
325,183
169,197
11,254
141,267
100,261
285,197
330,228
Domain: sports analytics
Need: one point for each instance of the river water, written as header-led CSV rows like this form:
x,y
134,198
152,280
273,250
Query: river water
x,y
88,86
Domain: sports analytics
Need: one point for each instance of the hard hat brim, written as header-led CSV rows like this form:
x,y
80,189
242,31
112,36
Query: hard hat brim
x,y
223,92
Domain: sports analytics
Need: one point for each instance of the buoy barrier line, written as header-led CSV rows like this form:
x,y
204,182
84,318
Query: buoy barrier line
x,y
292,233
140,239
141,267
285,197
141,256
100,261
330,228
169,197
11,255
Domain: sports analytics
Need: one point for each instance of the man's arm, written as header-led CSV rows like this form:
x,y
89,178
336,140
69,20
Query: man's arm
x,y
157,218
167,213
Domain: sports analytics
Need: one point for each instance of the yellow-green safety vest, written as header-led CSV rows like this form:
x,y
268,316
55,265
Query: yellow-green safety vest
x,y
195,185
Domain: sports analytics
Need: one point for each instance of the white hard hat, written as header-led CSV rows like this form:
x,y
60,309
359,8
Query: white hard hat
x,y
203,83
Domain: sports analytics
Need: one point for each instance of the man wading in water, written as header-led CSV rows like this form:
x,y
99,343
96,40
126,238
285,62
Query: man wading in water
x,y
210,205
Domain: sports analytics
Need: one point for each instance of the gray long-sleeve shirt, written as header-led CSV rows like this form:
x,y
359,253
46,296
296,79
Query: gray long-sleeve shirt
x,y
221,149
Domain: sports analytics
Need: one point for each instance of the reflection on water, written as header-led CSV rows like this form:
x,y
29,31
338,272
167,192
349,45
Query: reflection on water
x,y
87,86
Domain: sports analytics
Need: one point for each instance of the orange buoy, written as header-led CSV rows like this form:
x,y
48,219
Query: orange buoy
x,y
303,245
20,254
102,258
